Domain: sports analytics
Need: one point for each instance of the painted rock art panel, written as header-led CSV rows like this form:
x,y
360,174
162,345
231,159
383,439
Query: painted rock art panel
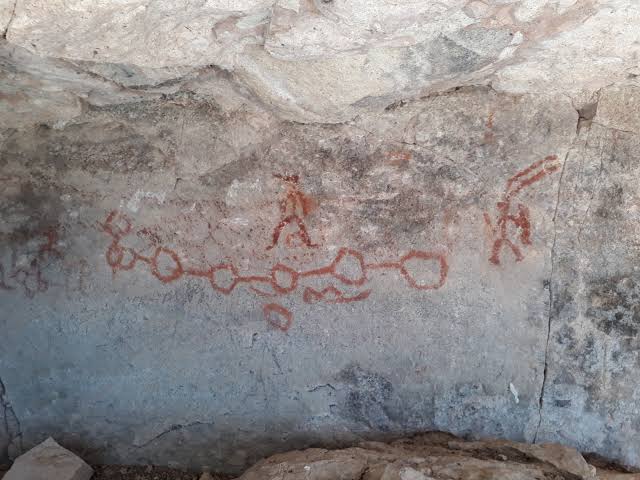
x,y
257,284
348,267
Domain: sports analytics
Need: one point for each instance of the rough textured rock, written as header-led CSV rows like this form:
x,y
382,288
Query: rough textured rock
x,y
613,475
592,376
10,433
433,456
47,461
235,228
328,61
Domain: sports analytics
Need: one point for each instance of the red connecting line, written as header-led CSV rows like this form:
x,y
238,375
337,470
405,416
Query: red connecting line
x,y
225,277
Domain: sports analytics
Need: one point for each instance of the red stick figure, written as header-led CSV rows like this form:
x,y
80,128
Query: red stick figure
x,y
294,207
519,218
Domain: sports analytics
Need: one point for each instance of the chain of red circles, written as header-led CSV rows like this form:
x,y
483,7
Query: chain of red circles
x,y
281,278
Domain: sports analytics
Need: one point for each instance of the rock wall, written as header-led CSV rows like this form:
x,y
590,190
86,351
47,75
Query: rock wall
x,y
235,228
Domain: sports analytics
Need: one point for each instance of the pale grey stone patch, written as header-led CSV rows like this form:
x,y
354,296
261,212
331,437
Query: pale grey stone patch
x,y
47,461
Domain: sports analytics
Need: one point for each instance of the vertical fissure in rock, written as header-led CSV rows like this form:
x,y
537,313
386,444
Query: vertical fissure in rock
x,y
585,117
550,314
11,17
11,427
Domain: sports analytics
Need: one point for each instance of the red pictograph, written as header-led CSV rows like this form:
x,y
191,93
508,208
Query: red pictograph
x,y
278,316
331,294
347,268
517,215
29,274
293,207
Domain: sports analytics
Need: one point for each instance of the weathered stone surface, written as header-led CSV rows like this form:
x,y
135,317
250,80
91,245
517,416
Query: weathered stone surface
x,y
561,457
433,456
235,228
47,461
612,475
10,432
150,34
6,14
38,90
174,204
592,380
329,61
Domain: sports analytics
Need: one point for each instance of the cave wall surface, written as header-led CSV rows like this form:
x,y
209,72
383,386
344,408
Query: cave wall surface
x,y
231,228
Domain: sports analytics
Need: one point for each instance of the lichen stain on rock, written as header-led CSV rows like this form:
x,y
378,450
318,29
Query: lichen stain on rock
x,y
112,146
611,203
614,305
25,257
29,207
369,398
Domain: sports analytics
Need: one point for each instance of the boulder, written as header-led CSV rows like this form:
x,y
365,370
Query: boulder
x,y
49,461
428,457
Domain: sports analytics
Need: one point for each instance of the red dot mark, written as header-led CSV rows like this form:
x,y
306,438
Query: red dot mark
x,y
278,316
399,157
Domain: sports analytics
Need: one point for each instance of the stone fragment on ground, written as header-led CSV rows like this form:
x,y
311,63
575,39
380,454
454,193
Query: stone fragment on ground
x,y
612,475
432,456
49,461
150,472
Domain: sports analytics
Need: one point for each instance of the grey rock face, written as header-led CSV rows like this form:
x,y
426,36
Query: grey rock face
x,y
235,228
47,461
595,317
186,219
